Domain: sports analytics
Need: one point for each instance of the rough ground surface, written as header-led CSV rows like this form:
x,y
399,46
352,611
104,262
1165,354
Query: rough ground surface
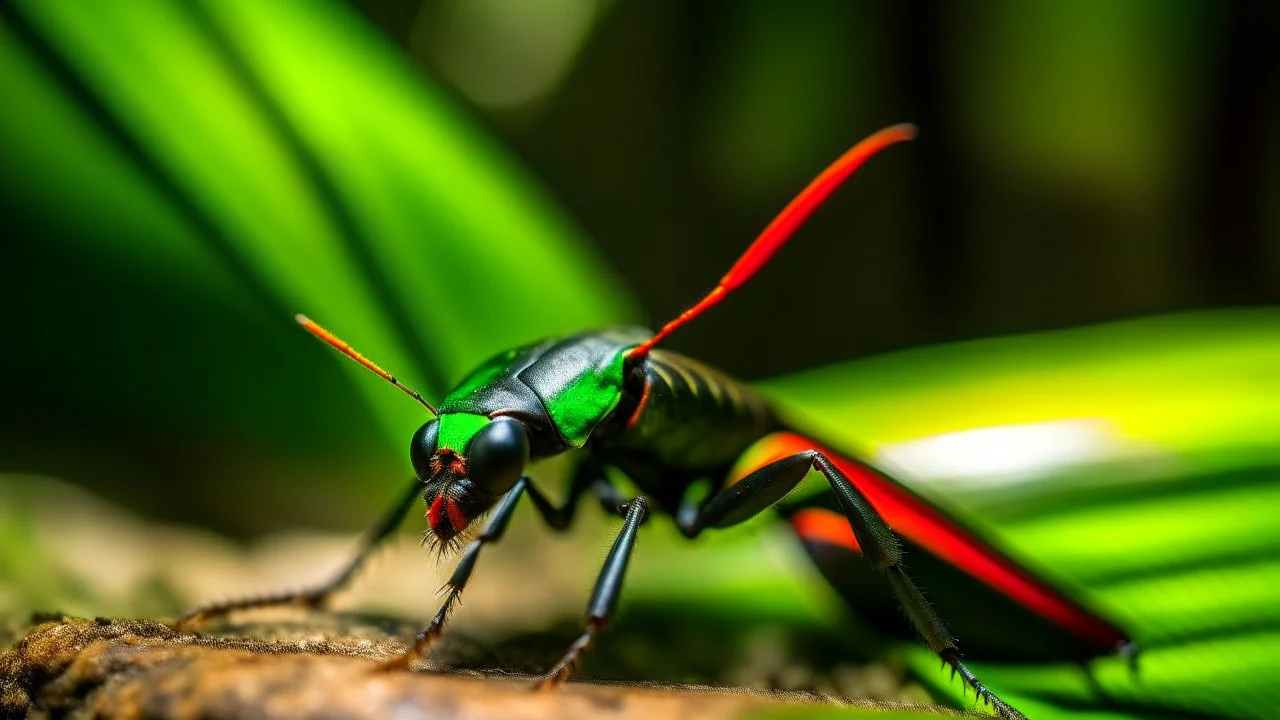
x,y
321,666
62,549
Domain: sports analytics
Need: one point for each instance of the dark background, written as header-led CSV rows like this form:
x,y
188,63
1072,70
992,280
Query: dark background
x,y
1077,161
178,178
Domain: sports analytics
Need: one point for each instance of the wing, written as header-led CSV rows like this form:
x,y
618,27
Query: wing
x,y
1134,464
981,592
1001,608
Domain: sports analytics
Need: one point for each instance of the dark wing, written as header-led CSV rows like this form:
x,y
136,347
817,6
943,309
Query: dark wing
x,y
998,607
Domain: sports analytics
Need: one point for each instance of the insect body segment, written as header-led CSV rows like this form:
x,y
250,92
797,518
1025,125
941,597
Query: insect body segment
x,y
668,423
533,402
563,388
680,422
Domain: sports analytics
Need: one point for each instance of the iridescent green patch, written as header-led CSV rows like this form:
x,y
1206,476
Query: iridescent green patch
x,y
584,402
457,429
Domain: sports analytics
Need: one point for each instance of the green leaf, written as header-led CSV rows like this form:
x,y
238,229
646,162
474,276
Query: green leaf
x,y
184,178
189,175
281,154
1148,474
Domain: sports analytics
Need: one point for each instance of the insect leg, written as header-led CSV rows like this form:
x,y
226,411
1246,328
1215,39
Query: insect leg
x,y
880,546
317,596
604,598
462,574
588,477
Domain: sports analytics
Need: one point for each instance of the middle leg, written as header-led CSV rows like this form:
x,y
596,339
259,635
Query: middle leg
x,y
588,478
879,545
604,598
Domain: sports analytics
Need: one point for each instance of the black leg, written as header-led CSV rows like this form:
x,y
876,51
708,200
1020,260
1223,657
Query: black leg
x,y
315,597
604,599
880,546
462,573
587,477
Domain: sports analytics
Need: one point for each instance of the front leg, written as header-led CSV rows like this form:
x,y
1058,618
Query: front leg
x,y
587,478
318,596
879,544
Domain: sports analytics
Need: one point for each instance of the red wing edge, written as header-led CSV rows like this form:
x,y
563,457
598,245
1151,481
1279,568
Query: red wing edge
x,y
919,522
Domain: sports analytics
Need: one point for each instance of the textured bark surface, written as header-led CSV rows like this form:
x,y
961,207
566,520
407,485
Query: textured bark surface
x,y
65,550
323,666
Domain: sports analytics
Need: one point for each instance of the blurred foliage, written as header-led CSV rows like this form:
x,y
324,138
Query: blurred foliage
x,y
222,182
180,178
1078,161
1162,506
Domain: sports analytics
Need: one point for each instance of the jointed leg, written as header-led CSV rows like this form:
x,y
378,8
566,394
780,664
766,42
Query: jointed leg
x,y
462,573
880,546
317,596
587,478
604,598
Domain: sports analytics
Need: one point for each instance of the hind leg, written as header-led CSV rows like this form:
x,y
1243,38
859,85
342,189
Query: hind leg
x,y
880,546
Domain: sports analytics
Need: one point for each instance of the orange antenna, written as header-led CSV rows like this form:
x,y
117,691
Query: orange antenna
x,y
784,226
342,347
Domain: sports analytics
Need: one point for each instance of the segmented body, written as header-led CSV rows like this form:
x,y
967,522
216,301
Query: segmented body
x,y
669,422
680,422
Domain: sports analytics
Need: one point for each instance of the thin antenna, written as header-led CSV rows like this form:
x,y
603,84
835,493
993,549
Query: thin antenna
x,y
784,226
345,349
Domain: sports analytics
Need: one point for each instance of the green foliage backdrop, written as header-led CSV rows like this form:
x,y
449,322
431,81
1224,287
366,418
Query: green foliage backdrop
x,y
180,178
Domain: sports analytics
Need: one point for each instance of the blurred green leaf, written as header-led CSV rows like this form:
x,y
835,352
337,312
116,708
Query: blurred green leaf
x,y
1171,530
187,176
300,150
239,161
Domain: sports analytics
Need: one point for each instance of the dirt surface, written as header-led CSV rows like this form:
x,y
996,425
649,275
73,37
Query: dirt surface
x,y
705,636
324,666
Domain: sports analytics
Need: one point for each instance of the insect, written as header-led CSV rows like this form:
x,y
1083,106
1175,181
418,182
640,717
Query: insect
x,y
667,422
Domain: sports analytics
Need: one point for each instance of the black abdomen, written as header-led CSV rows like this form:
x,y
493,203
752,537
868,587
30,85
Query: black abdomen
x,y
689,421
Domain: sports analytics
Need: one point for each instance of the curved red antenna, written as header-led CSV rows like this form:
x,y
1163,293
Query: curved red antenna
x,y
341,346
784,226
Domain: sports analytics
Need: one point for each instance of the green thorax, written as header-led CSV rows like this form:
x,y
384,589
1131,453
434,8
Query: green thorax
x,y
457,430
570,384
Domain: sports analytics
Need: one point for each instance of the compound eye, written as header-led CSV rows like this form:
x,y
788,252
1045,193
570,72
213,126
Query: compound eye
x,y
422,447
497,455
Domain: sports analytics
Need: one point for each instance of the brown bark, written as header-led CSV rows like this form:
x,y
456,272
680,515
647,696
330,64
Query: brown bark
x,y
322,666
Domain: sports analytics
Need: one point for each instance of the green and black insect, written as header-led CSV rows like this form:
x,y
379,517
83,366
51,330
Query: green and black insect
x,y
667,422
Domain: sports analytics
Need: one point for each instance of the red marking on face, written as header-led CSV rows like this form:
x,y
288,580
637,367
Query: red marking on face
x,y
435,513
445,517
456,517
448,462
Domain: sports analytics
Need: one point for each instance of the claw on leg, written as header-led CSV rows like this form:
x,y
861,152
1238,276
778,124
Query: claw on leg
x,y
405,660
563,669
604,599
985,696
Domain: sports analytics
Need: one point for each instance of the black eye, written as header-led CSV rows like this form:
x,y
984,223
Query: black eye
x,y
422,447
497,455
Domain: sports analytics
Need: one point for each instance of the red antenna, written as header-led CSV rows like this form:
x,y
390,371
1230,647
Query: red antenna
x,y
784,226
342,347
